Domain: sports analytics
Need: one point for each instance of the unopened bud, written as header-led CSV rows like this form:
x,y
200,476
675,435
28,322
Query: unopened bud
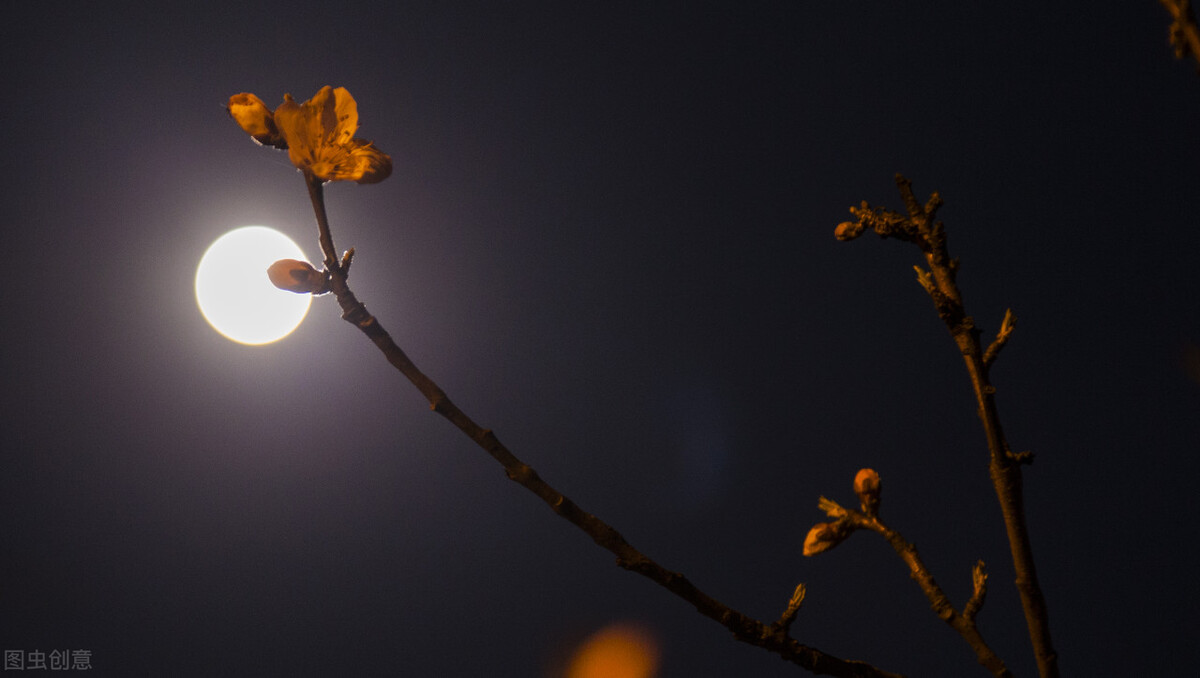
x,y
868,487
848,230
297,276
253,116
824,536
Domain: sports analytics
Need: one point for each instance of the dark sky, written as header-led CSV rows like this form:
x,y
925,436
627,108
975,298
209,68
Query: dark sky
x,y
609,237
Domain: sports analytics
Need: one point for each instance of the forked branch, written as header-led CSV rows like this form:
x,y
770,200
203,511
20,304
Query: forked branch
x,y
919,227
825,536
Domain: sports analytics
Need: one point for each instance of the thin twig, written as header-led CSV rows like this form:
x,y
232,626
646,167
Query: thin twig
x,y
316,193
772,637
1006,329
789,614
920,228
964,622
978,594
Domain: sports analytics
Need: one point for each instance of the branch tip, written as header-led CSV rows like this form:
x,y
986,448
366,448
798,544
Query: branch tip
x,y
925,278
933,204
831,507
978,591
798,595
1002,336
793,608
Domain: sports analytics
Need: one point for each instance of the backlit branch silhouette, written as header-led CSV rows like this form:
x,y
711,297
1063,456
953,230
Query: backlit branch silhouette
x,y
919,226
825,536
318,136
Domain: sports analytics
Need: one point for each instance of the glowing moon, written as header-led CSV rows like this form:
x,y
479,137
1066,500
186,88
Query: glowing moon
x,y
234,293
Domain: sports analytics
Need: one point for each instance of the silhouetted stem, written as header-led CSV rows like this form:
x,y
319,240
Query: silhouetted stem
x,y
962,622
316,194
919,227
772,637
1003,467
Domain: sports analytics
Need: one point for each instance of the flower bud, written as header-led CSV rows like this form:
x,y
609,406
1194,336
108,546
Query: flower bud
x,y
868,487
253,116
297,276
848,230
824,536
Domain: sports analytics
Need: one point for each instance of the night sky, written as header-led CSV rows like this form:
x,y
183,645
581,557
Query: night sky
x,y
609,237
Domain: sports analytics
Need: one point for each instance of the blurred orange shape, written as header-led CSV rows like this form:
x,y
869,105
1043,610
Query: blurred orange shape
x,y
621,650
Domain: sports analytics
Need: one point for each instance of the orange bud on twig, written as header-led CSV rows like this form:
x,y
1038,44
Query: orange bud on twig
x,y
868,487
298,276
824,536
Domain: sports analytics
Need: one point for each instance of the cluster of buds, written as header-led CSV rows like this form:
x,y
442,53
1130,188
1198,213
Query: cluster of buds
x,y
883,221
298,276
824,536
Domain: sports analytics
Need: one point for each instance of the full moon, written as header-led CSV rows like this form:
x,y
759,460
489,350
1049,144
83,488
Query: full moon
x,y
233,291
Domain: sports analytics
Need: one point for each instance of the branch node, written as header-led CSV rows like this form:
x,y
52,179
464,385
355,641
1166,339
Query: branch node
x,y
521,474
358,315
910,200
1023,457
438,403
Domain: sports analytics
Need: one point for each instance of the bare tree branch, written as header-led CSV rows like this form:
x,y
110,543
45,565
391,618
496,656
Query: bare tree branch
x,y
772,637
850,521
920,228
